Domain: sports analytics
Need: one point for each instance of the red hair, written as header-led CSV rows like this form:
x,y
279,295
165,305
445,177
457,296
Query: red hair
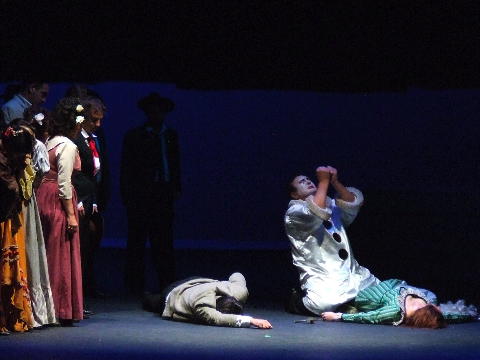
x,y
427,317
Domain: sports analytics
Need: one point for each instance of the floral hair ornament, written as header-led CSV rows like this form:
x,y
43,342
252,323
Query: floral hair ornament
x,y
79,119
39,118
10,132
79,108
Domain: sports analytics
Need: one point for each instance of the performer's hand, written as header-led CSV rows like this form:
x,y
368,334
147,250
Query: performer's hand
x,y
94,209
72,224
323,174
331,316
261,324
333,175
81,209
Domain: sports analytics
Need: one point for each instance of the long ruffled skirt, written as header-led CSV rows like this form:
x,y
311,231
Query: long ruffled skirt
x,y
38,277
15,306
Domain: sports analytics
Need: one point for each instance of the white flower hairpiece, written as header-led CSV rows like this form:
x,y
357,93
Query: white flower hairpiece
x,y
79,119
39,118
79,108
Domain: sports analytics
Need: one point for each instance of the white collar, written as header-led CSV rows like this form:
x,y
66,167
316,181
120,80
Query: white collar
x,y
85,134
328,201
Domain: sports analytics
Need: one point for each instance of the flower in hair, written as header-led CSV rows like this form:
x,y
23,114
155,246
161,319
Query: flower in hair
x,y
79,119
39,118
8,132
79,108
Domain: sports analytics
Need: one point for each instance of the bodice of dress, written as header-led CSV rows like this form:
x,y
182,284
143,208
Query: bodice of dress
x,y
404,291
64,158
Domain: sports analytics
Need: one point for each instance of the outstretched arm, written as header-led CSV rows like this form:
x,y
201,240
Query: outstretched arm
x,y
212,316
385,315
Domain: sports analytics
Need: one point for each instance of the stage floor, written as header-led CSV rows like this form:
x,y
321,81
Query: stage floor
x,y
120,329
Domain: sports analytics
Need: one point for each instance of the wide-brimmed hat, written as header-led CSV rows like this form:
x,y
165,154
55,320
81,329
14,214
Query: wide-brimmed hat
x,y
165,104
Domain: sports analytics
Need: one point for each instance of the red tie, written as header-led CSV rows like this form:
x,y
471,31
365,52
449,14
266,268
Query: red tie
x,y
93,146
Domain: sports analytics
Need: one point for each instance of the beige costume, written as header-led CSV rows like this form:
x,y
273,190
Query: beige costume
x,y
195,301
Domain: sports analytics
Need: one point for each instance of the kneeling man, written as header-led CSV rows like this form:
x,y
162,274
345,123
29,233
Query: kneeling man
x,y
315,225
206,301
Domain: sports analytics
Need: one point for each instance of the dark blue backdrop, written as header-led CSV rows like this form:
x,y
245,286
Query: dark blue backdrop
x,y
239,147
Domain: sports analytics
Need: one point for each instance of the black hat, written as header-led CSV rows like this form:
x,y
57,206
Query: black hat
x,y
166,105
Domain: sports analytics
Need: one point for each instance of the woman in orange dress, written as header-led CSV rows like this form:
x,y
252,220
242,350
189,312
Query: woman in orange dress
x,y
16,146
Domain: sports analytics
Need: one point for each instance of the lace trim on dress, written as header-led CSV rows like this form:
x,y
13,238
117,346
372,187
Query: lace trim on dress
x,y
402,296
43,310
322,213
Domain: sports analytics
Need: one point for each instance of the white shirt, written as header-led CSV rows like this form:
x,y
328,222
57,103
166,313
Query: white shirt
x,y
40,160
96,159
329,273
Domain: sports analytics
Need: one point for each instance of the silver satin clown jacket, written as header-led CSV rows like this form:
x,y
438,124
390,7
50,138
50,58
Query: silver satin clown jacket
x,y
329,273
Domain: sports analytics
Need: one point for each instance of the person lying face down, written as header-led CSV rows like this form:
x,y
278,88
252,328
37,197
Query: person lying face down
x,y
394,302
206,301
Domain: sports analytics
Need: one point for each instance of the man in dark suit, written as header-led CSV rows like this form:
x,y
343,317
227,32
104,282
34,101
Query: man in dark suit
x,y
91,184
149,184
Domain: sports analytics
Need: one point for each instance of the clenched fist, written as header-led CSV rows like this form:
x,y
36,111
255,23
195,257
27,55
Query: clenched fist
x,y
323,173
333,174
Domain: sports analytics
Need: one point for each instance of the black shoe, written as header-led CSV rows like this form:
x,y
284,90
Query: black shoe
x,y
87,313
290,299
66,322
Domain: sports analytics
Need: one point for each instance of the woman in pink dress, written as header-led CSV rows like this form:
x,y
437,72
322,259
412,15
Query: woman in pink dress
x,y
58,212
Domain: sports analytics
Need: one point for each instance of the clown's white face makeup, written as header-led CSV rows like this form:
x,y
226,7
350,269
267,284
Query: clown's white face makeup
x,y
304,187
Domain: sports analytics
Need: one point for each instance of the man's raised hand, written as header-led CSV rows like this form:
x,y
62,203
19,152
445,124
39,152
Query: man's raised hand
x,y
333,174
323,174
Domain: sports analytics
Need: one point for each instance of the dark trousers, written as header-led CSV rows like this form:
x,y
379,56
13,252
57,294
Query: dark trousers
x,y
91,233
153,222
294,303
